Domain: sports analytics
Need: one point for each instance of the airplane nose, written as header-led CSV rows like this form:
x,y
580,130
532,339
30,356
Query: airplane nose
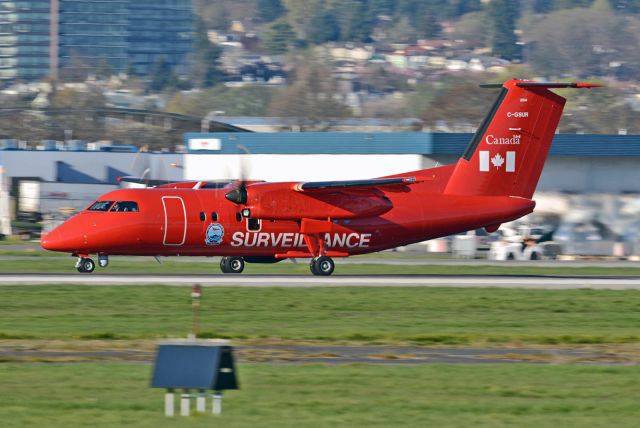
x,y
59,240
50,241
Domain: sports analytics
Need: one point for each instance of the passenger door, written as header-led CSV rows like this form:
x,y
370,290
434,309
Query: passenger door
x,y
175,221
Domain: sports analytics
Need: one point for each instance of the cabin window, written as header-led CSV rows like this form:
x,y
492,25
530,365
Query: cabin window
x,y
125,207
238,217
254,224
203,216
214,216
100,206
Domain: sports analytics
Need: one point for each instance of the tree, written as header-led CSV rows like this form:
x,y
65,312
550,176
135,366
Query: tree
x,y
440,102
585,42
502,15
458,8
204,69
323,27
278,37
427,24
104,69
300,13
162,77
423,16
220,20
472,30
269,10
243,101
381,7
310,100
85,126
354,26
542,6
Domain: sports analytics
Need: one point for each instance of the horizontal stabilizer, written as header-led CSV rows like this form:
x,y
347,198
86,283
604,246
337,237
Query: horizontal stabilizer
x,y
576,85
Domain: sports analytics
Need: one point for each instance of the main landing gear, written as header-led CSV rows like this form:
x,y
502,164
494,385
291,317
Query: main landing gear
x,y
230,264
322,266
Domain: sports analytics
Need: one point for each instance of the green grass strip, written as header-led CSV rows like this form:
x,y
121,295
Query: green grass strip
x,y
425,316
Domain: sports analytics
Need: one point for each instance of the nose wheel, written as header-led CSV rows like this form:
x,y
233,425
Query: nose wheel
x,y
322,266
85,265
230,264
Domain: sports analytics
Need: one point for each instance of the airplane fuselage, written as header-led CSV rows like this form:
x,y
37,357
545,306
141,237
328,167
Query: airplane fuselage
x,y
203,222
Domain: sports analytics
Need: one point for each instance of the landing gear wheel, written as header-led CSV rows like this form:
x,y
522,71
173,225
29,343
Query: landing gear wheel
x,y
232,264
322,266
86,265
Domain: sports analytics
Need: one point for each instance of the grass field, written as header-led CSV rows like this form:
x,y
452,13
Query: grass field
x,y
522,395
110,394
423,316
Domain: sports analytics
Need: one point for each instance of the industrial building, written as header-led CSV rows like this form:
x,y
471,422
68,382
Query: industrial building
x,y
25,39
38,38
69,179
159,30
90,32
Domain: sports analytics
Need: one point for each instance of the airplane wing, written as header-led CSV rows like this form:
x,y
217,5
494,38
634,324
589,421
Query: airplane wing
x,y
177,184
312,186
145,181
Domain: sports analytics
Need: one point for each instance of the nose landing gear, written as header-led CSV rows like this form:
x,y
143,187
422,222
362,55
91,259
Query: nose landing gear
x,y
230,264
322,266
85,265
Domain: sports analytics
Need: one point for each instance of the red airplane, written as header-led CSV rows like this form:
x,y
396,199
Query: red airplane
x,y
260,222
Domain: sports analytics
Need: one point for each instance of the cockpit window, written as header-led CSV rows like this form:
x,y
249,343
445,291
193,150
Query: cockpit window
x,y
125,206
100,206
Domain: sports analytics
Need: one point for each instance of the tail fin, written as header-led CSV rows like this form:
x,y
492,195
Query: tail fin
x,y
506,155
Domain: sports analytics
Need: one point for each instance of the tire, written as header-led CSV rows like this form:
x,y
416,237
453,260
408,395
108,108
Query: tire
x,y
86,266
232,265
223,264
534,256
322,266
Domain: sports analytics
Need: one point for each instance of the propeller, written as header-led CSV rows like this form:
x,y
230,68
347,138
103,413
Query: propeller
x,y
141,165
239,194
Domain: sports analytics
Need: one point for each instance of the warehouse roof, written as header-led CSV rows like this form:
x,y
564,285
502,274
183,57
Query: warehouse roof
x,y
313,142
398,143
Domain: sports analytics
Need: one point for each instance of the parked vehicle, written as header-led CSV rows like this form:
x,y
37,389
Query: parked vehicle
x,y
586,239
472,244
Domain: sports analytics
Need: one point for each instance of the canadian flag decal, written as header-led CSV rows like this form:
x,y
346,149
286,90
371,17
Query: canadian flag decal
x,y
497,161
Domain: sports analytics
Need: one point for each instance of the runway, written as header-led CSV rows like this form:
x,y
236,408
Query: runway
x,y
460,281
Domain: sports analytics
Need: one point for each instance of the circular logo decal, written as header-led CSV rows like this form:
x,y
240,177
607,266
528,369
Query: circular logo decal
x,y
215,232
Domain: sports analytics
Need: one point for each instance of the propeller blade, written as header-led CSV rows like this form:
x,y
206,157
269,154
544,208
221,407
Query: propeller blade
x,y
239,194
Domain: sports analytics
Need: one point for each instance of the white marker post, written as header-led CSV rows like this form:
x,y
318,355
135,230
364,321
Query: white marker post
x,y
185,404
169,403
201,402
216,407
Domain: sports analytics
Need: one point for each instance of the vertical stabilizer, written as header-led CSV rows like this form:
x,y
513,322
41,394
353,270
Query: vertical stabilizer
x,y
506,155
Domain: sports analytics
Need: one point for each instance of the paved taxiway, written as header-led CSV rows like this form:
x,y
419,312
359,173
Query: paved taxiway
x,y
396,261
338,354
503,281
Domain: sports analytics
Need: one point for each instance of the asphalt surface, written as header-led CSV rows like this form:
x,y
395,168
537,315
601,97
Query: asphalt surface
x,y
411,260
339,354
514,281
